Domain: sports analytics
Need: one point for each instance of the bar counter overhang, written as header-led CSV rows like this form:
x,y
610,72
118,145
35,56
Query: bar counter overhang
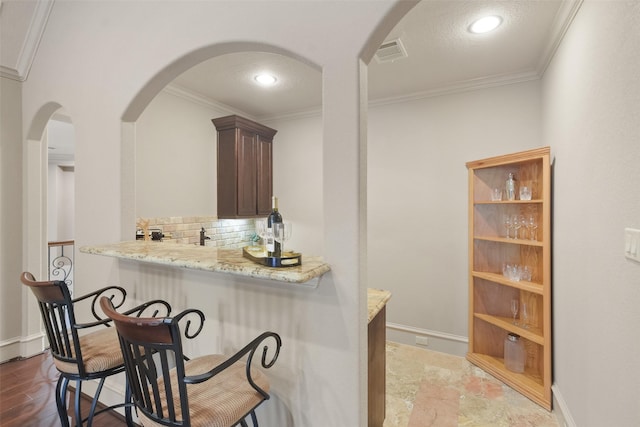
x,y
241,298
210,258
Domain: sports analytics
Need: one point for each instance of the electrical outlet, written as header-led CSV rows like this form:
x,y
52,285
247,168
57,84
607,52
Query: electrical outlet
x,y
632,244
424,341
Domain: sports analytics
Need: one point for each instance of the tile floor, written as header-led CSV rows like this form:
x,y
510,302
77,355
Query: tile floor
x,y
424,389
431,389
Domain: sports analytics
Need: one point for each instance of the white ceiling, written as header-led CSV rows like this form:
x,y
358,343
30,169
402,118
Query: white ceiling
x,y
442,56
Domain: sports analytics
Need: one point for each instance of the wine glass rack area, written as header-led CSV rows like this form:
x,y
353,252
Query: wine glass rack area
x,y
507,237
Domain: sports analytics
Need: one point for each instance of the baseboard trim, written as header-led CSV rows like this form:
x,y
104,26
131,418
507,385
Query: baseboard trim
x,y
443,342
561,409
427,332
22,347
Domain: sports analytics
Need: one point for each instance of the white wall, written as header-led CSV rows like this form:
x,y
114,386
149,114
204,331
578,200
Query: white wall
x,y
11,295
176,165
60,203
591,104
117,56
60,140
297,180
417,189
176,158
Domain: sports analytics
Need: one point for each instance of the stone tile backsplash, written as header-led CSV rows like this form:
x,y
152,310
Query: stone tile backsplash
x,y
222,233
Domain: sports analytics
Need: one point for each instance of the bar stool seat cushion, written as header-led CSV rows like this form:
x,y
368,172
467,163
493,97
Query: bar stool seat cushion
x,y
219,401
100,352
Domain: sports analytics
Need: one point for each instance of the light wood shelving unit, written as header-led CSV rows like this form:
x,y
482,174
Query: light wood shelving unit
x,y
490,292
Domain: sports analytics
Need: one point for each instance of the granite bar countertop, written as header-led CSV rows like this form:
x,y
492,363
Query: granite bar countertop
x,y
376,300
210,258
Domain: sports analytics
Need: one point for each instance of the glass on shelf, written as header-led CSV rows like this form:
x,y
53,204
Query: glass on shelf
x,y
525,316
516,272
506,221
525,192
515,224
514,309
532,226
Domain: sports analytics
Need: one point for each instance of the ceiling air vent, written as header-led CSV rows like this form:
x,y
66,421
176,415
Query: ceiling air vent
x,y
390,51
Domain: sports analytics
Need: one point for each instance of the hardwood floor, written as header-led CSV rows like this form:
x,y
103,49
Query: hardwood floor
x,y
27,395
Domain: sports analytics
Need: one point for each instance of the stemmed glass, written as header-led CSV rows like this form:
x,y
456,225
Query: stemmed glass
x,y
514,309
515,224
533,226
523,225
506,220
261,228
282,233
525,316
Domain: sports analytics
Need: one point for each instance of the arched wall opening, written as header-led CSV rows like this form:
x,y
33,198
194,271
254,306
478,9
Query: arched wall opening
x,y
336,299
41,215
163,108
182,64
35,188
314,388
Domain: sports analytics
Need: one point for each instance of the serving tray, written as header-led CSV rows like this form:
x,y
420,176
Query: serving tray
x,y
259,255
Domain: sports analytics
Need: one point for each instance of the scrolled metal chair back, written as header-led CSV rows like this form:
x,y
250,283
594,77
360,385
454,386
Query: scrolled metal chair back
x,y
59,319
151,348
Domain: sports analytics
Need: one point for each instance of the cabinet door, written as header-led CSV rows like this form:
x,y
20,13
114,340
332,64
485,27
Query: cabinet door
x,y
247,174
245,171
264,175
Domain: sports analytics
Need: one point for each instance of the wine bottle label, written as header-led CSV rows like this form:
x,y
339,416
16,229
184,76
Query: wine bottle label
x,y
270,240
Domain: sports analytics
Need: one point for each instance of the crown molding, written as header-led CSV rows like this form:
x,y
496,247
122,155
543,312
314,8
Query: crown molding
x,y
20,70
460,87
200,99
197,98
562,21
303,114
10,73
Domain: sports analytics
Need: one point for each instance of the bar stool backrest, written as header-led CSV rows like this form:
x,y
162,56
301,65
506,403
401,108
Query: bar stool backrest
x,y
151,348
56,309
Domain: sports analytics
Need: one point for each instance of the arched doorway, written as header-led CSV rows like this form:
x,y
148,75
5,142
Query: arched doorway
x,y
174,133
49,121
60,141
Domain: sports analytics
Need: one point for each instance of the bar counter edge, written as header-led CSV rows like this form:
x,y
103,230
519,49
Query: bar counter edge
x,y
210,258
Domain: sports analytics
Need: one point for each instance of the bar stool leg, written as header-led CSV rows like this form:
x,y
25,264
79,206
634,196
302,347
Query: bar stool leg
x,y
61,399
94,402
254,419
78,394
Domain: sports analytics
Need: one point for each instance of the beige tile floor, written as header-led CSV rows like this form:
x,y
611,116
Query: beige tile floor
x,y
431,389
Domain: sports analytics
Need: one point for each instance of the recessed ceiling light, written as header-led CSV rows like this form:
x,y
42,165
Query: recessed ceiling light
x,y
486,24
265,79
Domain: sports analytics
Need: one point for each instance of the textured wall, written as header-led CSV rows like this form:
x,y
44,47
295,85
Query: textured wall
x,y
105,61
592,122
418,196
11,217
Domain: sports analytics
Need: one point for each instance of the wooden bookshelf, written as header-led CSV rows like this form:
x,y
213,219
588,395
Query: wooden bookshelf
x,y
491,290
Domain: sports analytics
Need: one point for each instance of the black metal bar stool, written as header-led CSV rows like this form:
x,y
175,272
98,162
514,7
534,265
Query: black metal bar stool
x,y
170,389
84,356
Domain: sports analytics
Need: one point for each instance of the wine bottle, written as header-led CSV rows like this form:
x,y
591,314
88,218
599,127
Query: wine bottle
x,y
273,248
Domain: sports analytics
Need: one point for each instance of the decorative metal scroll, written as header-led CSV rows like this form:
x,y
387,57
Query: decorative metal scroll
x,y
61,262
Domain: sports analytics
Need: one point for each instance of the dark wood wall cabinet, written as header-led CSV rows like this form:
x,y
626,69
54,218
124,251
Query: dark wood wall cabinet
x,y
245,167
